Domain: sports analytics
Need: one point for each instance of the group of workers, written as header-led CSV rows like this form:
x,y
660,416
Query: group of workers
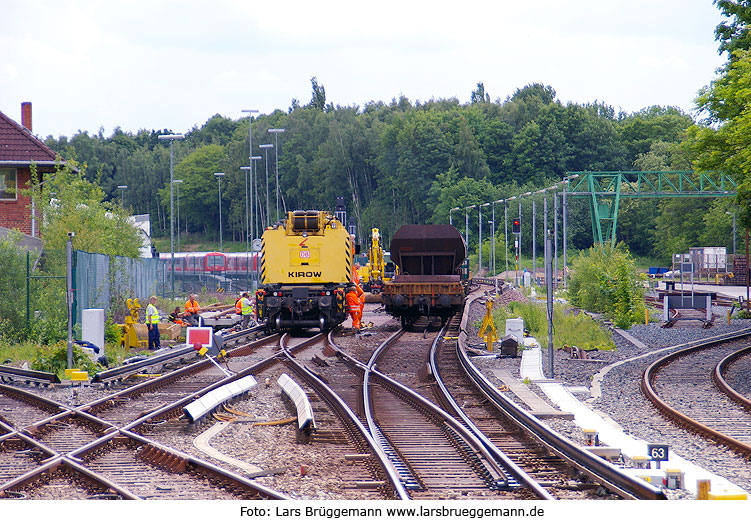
x,y
189,318
243,306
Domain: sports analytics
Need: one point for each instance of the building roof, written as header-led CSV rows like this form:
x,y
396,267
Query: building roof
x,y
19,145
25,241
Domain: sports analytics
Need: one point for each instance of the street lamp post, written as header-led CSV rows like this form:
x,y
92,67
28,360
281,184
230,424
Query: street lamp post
x,y
479,236
466,227
516,248
172,139
265,148
178,182
250,157
221,240
122,195
254,206
733,214
276,132
246,169
533,228
565,223
505,232
451,222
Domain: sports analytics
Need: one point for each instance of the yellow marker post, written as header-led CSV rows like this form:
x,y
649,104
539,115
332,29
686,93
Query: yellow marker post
x,y
646,316
487,330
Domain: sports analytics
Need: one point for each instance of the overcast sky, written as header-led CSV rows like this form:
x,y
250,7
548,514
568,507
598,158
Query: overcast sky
x,y
173,64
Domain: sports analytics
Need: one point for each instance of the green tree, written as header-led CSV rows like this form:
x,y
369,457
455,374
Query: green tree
x,y
721,141
69,202
199,204
12,281
734,34
604,279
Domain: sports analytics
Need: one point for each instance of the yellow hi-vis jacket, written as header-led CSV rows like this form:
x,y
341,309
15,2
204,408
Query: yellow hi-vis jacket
x,y
247,306
152,314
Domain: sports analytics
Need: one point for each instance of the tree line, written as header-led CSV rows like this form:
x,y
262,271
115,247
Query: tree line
x,y
412,162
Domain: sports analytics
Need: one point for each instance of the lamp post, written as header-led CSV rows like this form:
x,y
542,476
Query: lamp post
x,y
276,132
565,222
178,182
726,213
265,148
451,222
466,227
221,241
533,227
254,206
122,195
172,139
247,169
505,231
516,247
250,157
479,236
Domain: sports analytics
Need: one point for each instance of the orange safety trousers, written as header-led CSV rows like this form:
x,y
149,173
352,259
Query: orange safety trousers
x,y
355,311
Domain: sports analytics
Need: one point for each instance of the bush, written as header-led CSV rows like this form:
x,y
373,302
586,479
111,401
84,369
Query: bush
x,y
572,330
54,359
604,280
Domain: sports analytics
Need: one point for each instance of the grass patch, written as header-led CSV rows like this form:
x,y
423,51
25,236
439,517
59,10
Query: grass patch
x,y
568,330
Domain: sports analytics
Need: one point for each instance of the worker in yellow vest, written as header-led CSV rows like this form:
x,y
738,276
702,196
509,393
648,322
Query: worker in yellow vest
x,y
247,309
152,324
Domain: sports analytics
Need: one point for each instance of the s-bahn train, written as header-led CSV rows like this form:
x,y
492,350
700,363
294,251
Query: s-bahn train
x,y
306,266
429,257
203,263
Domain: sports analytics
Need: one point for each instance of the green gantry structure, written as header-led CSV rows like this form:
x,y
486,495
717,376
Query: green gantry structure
x,y
606,188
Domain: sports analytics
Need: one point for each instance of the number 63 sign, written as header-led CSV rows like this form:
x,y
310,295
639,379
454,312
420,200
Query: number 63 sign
x,y
657,452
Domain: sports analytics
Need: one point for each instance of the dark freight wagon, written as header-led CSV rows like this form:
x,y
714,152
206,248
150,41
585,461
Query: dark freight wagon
x,y
429,257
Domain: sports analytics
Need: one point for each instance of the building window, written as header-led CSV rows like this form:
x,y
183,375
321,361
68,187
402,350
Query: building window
x,y
8,179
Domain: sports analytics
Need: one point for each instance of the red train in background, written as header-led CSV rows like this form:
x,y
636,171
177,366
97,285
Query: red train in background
x,y
211,263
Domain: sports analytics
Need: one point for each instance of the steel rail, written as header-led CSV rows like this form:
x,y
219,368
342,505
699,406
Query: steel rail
x,y
29,376
499,456
676,415
369,370
131,368
338,403
718,376
61,462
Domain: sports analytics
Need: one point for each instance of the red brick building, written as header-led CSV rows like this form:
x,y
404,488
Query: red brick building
x,y
19,149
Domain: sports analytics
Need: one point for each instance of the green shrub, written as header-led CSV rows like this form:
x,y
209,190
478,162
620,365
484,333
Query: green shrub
x,y
572,330
112,332
54,359
604,280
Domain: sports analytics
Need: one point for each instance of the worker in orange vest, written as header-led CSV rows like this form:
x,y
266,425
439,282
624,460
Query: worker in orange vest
x,y
191,310
354,307
360,293
238,305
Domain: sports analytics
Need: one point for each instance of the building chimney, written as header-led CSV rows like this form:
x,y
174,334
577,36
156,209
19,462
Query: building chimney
x,y
26,115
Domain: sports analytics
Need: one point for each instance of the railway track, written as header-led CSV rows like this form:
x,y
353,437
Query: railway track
x,y
95,456
435,455
688,387
462,396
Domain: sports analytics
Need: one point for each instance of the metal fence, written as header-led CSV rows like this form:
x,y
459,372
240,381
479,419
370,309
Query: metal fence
x,y
106,282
